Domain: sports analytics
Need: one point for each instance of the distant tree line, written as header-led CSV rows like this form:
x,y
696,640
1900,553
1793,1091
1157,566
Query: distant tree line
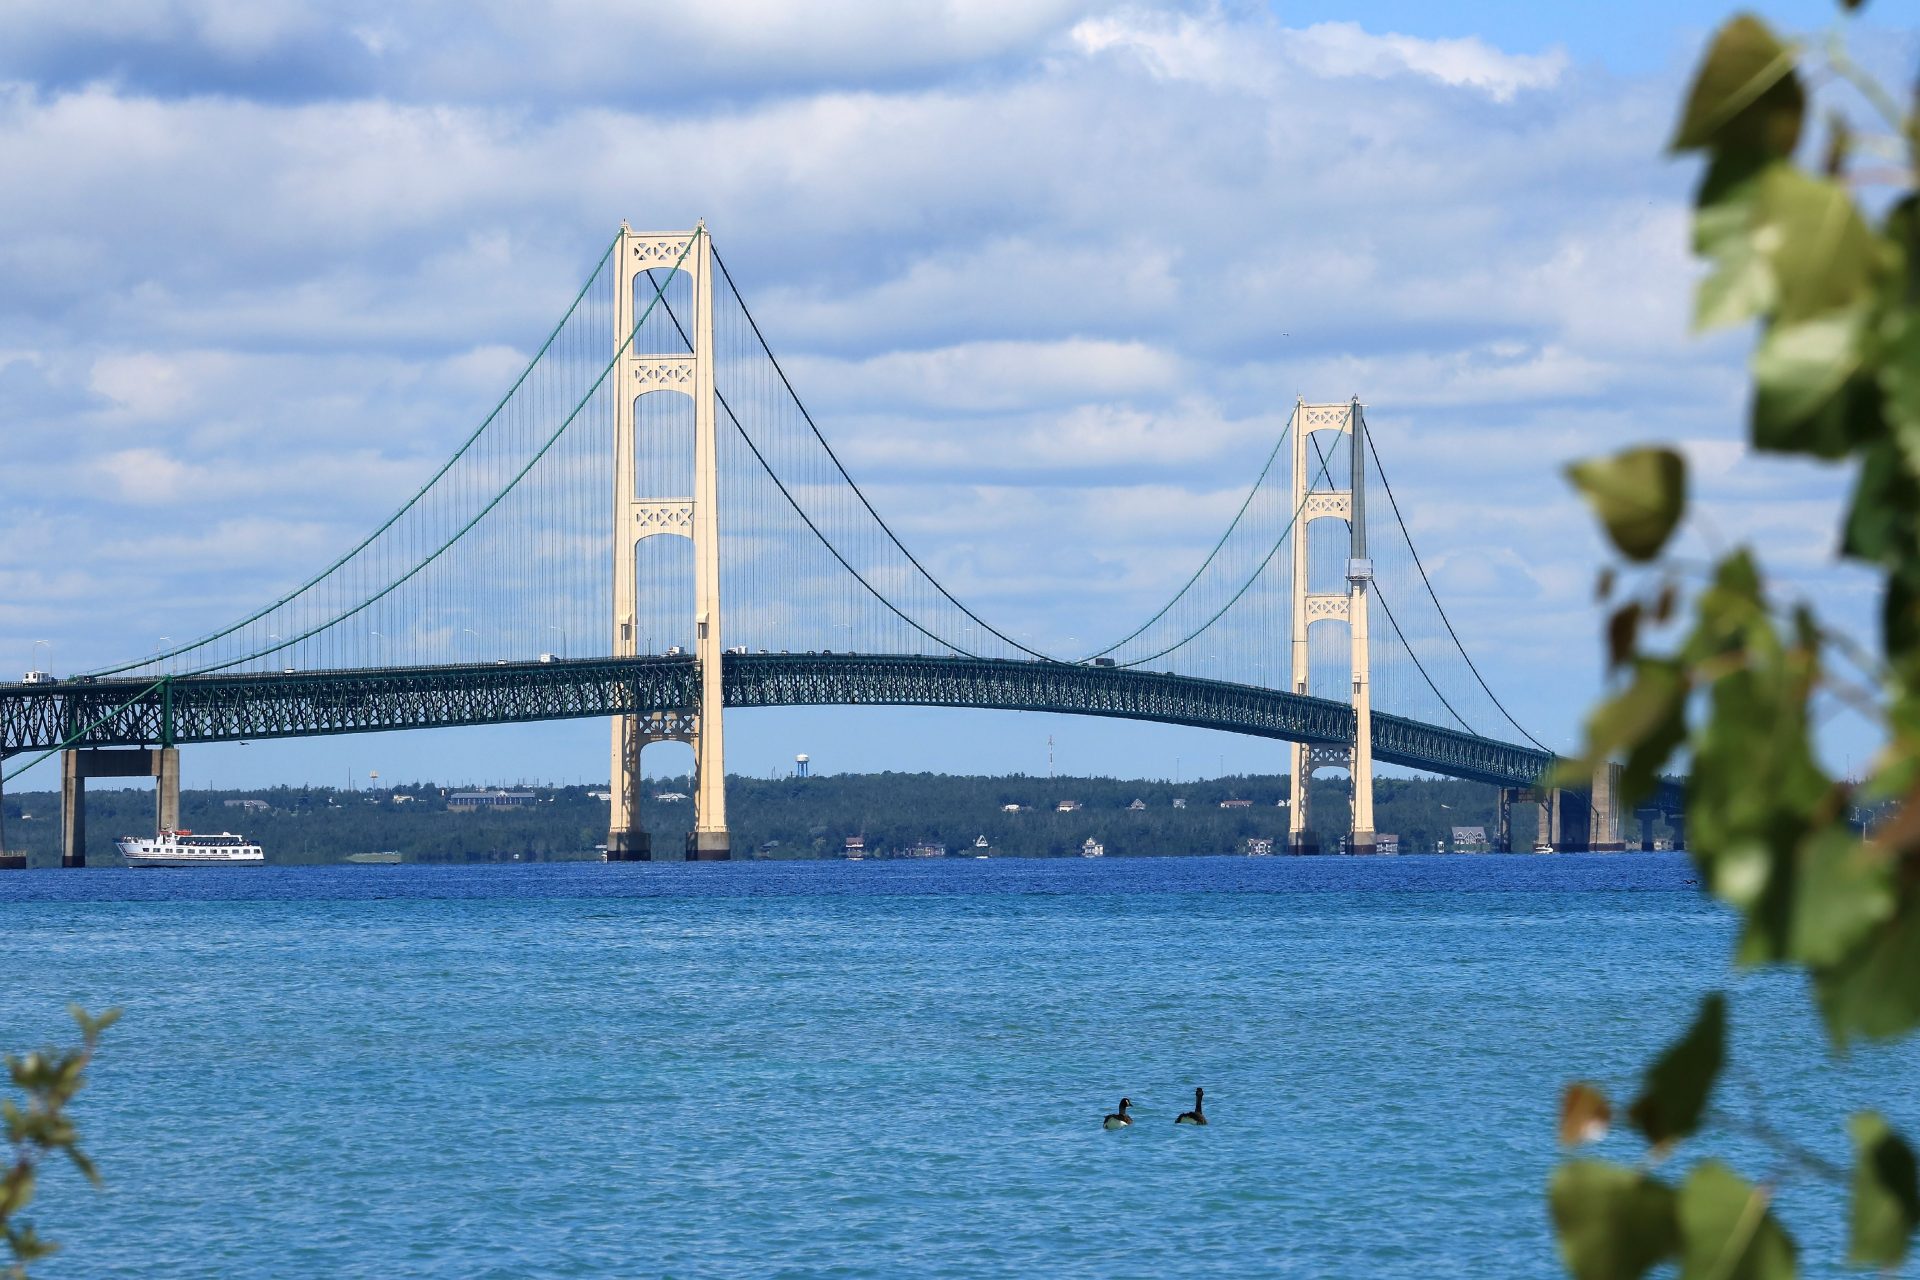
x,y
779,818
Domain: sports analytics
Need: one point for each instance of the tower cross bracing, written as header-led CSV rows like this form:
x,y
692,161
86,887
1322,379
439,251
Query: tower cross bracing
x,y
446,613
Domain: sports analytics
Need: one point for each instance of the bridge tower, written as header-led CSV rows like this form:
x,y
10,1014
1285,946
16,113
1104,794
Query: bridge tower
x,y
694,516
1349,606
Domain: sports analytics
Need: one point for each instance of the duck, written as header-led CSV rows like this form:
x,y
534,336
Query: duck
x,y
1119,1119
1195,1116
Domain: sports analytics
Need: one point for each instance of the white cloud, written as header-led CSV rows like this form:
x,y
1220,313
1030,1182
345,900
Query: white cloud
x,y
1254,57
1049,275
995,375
1344,49
146,385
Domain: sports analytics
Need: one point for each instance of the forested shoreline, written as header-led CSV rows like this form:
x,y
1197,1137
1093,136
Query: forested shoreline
x,y
893,814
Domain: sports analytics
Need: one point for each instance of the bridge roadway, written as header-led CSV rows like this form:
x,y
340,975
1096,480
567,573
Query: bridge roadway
x,y
146,712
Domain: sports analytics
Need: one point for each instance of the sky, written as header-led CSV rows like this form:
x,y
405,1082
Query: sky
x,y
1048,272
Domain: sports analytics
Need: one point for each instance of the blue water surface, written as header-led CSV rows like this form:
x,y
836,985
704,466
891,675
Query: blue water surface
x,y
883,1069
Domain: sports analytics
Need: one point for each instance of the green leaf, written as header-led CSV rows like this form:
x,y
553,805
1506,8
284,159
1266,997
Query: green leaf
x,y
1886,1194
1823,255
1614,1223
1745,95
1639,496
1873,992
16,1190
1900,612
1809,395
1883,523
1660,734
1673,1097
1726,223
1842,888
1646,721
29,1247
1782,242
1899,375
1727,1232
90,1025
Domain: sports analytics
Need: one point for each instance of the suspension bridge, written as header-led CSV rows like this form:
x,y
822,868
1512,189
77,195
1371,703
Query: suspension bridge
x,y
649,526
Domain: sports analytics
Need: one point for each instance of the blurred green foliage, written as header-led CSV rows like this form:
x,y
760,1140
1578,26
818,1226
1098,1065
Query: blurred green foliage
x,y
38,1127
1825,260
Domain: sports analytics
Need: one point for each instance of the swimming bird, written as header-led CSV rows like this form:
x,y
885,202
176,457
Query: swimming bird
x,y
1195,1116
1119,1119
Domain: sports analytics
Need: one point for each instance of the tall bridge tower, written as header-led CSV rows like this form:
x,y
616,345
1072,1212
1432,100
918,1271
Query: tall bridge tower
x,y
1349,606
694,516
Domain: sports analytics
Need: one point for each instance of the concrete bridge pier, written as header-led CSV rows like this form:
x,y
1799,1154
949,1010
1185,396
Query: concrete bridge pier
x,y
1575,816
627,840
1505,837
1604,833
8,861
166,791
631,845
1677,823
162,764
1299,839
1645,818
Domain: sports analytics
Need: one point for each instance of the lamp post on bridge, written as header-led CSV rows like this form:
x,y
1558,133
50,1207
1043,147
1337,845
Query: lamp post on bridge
x,y
475,652
563,639
33,659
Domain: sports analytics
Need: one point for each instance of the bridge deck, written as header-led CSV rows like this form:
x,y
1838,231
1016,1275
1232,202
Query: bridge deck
x,y
226,708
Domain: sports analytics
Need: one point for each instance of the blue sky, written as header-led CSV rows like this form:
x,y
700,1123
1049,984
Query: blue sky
x,y
271,260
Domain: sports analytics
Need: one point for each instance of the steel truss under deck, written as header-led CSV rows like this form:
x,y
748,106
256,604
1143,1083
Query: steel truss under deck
x,y
228,708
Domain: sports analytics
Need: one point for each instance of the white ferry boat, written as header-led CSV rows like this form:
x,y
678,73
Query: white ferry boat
x,y
185,849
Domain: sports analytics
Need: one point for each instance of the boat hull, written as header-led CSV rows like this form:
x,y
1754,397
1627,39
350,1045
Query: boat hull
x,y
178,860
171,849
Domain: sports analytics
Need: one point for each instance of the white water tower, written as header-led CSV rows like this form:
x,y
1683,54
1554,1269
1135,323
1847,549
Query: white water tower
x,y
800,765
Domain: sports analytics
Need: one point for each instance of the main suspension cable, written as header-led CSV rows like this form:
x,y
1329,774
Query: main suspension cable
x,y
1246,586
1211,555
404,507
801,511
1446,621
498,498
857,491
1406,644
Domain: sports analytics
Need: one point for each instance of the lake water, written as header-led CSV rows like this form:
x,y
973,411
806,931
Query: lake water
x,y
886,1069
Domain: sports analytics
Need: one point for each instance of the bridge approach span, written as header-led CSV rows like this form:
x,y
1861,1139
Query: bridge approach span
x,y
227,708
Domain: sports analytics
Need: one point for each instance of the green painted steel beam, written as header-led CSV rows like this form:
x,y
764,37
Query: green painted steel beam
x,y
226,708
